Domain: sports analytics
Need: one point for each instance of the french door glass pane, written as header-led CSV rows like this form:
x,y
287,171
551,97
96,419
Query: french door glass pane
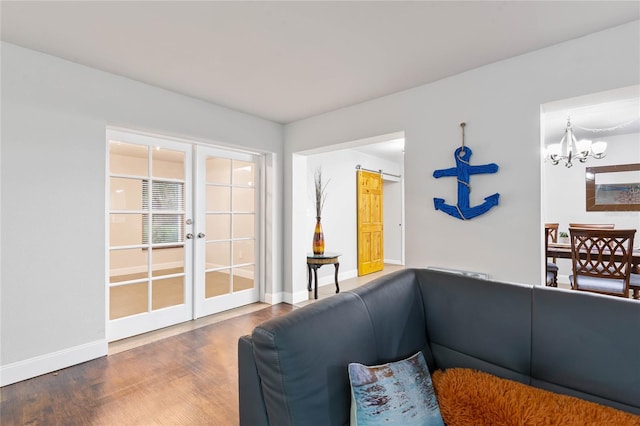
x,y
243,173
125,229
165,195
218,226
243,225
167,292
127,265
218,170
167,163
126,194
243,252
168,261
218,255
243,278
218,198
128,159
128,299
217,283
243,200
166,228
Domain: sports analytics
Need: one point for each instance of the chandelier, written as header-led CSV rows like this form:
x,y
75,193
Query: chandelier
x,y
570,149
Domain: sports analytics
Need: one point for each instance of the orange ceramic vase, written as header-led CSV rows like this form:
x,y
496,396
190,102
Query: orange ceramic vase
x,y
318,239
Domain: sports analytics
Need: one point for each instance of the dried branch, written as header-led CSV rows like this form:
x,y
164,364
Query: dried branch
x,y
321,195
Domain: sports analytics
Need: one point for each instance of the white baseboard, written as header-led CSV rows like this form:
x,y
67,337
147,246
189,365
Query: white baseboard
x,y
274,298
392,262
43,364
284,297
297,297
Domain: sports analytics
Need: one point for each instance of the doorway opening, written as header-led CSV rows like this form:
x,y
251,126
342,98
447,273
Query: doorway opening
x,y
612,116
339,164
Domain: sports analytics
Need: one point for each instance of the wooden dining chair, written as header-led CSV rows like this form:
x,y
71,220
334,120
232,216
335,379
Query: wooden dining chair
x,y
551,267
601,260
552,236
592,225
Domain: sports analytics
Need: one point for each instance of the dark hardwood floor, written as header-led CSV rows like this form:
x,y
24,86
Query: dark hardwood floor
x,y
188,379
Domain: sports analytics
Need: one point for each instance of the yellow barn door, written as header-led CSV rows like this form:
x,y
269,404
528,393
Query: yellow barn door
x,y
370,225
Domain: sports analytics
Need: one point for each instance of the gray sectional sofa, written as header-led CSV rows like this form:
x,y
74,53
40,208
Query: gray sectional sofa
x,y
293,369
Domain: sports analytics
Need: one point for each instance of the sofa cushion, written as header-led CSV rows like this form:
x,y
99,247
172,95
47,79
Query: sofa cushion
x,y
478,324
598,284
395,393
588,345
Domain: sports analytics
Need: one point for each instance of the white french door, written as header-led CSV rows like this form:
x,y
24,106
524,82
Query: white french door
x,y
150,199
181,232
226,246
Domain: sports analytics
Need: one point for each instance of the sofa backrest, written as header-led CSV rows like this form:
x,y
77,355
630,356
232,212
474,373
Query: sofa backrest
x,y
394,305
302,357
480,324
587,345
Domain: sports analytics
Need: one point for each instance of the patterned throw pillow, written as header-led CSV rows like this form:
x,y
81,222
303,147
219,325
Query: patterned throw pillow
x,y
397,393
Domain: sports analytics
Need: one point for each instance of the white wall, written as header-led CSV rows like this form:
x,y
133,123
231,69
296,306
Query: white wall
x,y
565,192
54,116
501,105
393,221
339,215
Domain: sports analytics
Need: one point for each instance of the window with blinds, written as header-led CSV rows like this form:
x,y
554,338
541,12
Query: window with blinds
x,y
167,211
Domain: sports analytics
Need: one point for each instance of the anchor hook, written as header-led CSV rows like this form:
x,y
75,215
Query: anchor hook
x,y
462,125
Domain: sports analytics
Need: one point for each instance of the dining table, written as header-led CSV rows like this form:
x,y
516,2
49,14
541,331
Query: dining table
x,y
563,251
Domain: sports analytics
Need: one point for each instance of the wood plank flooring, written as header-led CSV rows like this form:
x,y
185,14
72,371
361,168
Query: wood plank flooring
x,y
188,379
188,375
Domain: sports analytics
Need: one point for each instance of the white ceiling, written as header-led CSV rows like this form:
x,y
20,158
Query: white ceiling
x,y
289,60
392,150
594,116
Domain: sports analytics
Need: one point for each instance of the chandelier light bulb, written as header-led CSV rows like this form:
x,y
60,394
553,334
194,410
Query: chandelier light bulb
x,y
583,146
554,149
599,149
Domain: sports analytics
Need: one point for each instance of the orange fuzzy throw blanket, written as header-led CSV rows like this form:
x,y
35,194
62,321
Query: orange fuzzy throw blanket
x,y
469,397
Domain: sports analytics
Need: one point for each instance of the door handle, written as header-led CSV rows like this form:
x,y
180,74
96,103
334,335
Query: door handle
x,y
201,235
189,236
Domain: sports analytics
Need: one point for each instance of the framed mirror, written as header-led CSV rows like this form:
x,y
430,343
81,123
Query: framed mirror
x,y
613,188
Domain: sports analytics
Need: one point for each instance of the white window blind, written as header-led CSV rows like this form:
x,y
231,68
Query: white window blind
x,y
167,212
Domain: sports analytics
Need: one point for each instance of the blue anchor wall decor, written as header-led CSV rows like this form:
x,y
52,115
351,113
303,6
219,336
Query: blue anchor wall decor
x,y
463,171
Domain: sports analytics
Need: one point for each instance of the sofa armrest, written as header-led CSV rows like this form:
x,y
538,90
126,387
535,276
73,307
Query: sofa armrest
x,y
252,409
